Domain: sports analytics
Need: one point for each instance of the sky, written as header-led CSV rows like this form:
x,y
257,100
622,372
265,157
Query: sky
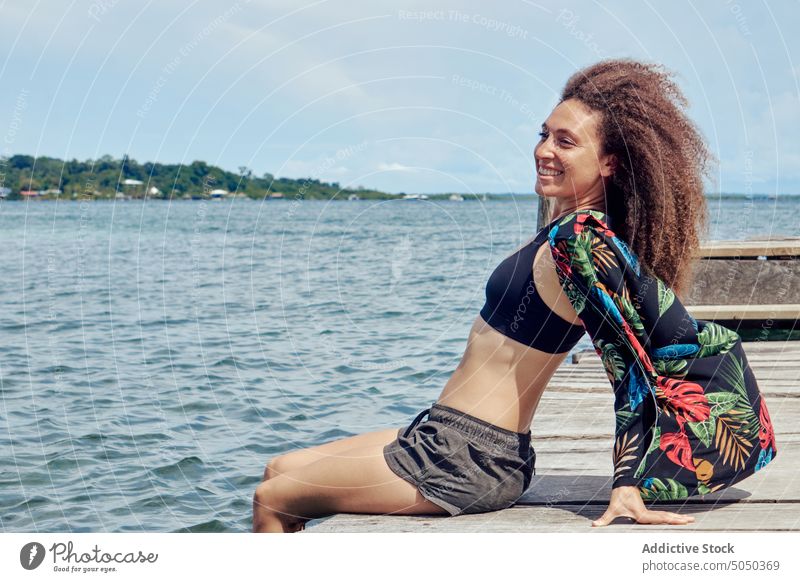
x,y
436,96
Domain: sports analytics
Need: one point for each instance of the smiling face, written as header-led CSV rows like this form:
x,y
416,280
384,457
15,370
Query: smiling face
x,y
569,156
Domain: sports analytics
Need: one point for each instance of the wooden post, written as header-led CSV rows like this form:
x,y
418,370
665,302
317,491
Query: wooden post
x,y
545,212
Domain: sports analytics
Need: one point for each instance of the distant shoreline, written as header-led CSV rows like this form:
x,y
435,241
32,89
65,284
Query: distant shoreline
x,y
399,197
24,177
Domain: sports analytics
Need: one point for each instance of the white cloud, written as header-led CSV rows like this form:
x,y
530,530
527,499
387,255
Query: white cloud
x,y
394,167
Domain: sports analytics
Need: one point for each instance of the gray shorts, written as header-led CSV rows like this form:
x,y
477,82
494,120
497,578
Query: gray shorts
x,y
462,463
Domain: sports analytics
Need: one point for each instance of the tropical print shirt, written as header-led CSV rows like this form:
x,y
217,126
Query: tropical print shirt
x,y
689,415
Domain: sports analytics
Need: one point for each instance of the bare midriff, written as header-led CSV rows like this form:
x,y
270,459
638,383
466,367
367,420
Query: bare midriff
x,y
499,380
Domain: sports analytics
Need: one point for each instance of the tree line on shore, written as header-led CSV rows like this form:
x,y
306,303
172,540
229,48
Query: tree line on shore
x,y
107,177
44,177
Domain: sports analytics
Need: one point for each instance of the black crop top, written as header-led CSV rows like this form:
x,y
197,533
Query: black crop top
x,y
514,308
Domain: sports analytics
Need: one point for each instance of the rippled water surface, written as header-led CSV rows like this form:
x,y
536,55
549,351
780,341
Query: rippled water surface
x,y
154,355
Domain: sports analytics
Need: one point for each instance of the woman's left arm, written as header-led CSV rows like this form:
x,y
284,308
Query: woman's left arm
x,y
591,268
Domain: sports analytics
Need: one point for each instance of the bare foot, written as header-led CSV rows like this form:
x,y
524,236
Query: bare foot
x,y
297,526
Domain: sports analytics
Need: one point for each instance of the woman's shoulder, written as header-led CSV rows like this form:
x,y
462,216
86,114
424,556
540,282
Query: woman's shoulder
x,y
577,222
588,232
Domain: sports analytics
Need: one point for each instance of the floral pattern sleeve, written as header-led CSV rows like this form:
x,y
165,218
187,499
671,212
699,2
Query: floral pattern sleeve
x,y
689,416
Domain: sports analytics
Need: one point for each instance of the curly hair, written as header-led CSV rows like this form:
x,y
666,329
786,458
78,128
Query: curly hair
x,y
655,197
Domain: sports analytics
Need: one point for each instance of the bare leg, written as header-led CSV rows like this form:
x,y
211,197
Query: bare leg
x,y
301,457
355,481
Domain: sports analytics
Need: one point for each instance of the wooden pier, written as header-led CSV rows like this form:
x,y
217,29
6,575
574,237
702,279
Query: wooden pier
x,y
573,437
744,285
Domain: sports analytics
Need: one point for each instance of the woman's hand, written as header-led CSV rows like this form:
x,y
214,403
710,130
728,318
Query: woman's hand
x,y
626,502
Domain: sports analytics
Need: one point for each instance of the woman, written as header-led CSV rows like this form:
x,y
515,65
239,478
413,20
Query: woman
x,y
619,159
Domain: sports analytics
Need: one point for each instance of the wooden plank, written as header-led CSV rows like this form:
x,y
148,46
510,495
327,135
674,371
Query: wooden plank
x,y
582,475
777,353
775,365
788,311
771,383
580,416
732,281
568,500
572,518
787,246
765,369
760,347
